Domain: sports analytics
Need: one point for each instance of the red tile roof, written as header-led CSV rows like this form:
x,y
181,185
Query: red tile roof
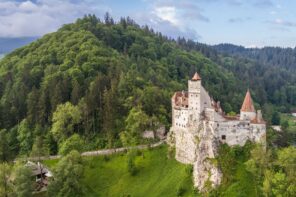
x,y
248,103
196,77
180,99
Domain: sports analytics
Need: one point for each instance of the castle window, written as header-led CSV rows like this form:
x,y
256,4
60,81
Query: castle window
x,y
223,137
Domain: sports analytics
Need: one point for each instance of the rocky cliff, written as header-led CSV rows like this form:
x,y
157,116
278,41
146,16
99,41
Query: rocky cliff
x,y
198,146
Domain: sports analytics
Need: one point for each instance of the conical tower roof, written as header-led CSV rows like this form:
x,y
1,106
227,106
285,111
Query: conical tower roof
x,y
196,77
248,103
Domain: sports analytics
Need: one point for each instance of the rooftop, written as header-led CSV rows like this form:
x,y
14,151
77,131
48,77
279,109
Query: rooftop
x,y
196,77
248,103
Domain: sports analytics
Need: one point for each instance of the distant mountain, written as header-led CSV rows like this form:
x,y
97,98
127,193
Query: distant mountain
x,y
276,56
9,44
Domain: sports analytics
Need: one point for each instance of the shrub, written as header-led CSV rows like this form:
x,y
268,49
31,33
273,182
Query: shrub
x,y
181,190
131,166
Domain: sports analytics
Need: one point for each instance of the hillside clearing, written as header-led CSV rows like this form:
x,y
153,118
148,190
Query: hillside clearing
x,y
157,175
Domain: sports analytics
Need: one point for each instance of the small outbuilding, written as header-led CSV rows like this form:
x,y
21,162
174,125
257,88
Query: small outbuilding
x,y
41,174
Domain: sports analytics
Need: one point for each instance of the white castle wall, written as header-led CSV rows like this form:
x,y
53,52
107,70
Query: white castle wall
x,y
258,133
233,132
181,118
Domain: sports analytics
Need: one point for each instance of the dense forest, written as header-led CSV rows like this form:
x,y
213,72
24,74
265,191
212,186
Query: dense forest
x,y
276,56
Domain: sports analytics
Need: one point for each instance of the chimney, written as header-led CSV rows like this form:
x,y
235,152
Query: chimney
x,y
259,116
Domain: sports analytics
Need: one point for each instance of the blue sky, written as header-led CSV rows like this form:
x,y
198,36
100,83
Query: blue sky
x,y
244,22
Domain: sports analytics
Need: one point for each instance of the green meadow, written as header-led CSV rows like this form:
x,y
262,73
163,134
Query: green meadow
x,y
157,175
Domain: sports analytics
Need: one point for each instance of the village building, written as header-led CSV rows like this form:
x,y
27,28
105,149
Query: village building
x,y
199,125
40,173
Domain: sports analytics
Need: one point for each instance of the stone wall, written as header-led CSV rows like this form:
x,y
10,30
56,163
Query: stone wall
x,y
233,132
186,146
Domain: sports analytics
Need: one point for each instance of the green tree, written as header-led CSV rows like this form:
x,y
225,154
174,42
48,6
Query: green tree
x,y
25,137
267,183
23,183
279,184
136,123
39,148
72,143
287,160
32,105
4,146
285,125
65,121
76,92
276,119
68,177
5,180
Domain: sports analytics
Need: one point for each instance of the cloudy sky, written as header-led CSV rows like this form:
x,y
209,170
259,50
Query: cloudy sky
x,y
244,22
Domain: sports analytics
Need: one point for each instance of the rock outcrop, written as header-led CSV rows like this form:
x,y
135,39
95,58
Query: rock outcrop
x,y
205,169
198,147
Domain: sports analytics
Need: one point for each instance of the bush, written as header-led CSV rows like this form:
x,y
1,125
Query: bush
x,y
189,170
181,190
72,143
131,166
106,158
171,152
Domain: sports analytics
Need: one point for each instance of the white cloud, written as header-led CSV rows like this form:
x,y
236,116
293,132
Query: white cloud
x,y
36,18
167,13
282,22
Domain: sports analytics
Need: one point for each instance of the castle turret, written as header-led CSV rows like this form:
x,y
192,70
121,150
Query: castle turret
x,y
247,111
194,88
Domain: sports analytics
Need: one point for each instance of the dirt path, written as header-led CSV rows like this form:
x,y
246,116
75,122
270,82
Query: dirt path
x,y
102,152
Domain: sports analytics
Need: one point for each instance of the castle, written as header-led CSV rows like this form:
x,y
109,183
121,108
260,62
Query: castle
x,y
199,125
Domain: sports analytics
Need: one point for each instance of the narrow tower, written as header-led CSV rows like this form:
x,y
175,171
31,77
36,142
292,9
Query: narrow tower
x,y
194,86
247,111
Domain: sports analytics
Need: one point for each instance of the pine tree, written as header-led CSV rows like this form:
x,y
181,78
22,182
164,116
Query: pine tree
x,y
5,180
23,185
4,146
32,106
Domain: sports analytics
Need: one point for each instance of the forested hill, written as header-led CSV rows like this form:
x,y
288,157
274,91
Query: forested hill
x,y
277,56
107,71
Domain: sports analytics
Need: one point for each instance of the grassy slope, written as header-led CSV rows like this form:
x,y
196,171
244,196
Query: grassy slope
x,y
291,121
157,175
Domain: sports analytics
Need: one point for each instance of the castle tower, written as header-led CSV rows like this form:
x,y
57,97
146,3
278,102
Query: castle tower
x,y
194,86
247,111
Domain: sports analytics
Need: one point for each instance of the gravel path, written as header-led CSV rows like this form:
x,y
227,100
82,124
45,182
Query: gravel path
x,y
102,152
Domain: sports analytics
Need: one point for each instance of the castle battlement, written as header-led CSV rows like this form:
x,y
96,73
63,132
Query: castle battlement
x,y
199,125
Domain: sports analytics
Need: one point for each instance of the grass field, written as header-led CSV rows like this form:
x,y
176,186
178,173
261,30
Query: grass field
x,y
156,175
291,120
